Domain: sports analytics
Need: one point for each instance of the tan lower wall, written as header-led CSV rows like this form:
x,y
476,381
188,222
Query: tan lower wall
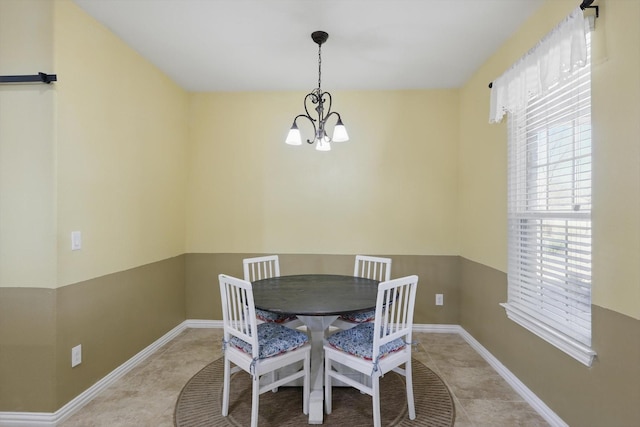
x,y
114,317
117,315
607,394
438,274
27,349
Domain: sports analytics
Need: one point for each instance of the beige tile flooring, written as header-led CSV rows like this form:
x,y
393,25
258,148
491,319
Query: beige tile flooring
x,y
146,395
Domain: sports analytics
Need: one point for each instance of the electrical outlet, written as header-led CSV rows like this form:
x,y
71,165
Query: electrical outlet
x,y
76,355
439,299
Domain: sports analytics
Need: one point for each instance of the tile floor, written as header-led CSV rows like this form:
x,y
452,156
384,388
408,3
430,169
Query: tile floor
x,y
146,395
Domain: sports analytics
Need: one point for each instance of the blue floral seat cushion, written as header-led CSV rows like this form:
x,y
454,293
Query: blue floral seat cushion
x,y
273,339
358,341
271,317
360,317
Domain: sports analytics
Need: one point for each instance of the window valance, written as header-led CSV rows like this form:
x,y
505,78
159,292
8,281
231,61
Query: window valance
x,y
554,58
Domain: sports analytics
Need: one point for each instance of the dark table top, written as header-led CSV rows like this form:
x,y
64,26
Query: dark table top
x,y
315,294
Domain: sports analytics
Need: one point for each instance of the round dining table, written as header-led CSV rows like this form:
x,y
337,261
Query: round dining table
x,y
317,300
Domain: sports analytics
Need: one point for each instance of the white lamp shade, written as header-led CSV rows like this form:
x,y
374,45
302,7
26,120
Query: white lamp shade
x,y
293,137
323,144
340,133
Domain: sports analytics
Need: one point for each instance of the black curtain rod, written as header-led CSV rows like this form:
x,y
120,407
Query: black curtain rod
x,y
35,78
586,4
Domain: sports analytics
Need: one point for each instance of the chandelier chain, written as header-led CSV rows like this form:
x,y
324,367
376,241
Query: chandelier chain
x,y
319,66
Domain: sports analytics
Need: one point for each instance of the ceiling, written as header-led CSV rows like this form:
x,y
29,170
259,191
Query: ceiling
x,y
263,45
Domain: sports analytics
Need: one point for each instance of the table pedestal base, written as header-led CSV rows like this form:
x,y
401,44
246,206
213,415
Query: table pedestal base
x,y
317,325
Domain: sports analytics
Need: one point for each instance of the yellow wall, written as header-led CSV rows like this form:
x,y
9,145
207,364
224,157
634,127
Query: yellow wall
x,y
102,151
121,152
391,189
27,165
616,176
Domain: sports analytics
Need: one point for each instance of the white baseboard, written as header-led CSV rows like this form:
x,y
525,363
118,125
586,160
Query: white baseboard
x,y
541,408
40,419
438,329
203,323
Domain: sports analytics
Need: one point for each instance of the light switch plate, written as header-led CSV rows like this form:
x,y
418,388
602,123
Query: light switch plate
x,y
76,355
76,240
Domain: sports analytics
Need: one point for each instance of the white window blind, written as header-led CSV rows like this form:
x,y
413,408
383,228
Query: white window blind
x,y
549,214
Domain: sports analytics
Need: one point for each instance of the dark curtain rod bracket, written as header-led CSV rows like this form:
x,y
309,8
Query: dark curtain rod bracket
x,y
35,78
586,4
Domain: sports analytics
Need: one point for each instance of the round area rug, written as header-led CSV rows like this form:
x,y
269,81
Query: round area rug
x,y
200,402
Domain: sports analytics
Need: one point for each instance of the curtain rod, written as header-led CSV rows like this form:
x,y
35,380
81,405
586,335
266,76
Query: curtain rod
x,y
35,78
586,4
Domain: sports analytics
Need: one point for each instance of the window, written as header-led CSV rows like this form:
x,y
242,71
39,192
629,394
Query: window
x,y
549,217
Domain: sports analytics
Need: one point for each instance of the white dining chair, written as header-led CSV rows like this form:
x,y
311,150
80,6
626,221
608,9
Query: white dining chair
x,y
259,349
375,348
369,267
265,267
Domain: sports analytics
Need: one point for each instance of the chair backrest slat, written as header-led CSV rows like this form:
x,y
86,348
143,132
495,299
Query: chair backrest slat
x,y
371,267
394,311
239,311
259,268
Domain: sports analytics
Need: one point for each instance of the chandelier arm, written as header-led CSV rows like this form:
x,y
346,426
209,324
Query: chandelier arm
x,y
313,123
327,118
331,114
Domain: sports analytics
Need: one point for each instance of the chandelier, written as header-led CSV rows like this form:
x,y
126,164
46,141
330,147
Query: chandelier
x,y
322,102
